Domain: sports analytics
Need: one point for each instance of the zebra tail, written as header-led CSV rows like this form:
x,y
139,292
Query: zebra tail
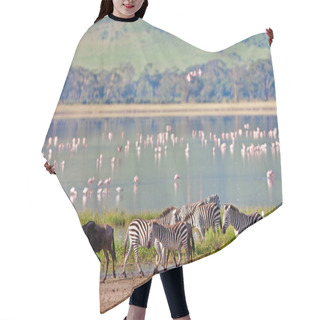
x,y
125,243
114,249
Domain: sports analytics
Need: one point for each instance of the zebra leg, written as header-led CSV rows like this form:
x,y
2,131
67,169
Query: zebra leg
x,y
202,233
193,247
180,256
213,227
174,257
218,225
126,258
189,246
141,274
165,258
158,256
186,246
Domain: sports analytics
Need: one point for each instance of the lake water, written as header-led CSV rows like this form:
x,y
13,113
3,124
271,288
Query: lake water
x,y
87,148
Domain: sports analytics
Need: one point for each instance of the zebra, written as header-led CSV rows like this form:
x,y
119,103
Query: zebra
x,y
187,209
206,216
138,236
169,217
239,221
138,232
158,246
171,237
213,198
191,207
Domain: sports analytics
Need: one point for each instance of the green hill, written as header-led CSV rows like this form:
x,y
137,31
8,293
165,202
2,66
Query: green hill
x,y
109,43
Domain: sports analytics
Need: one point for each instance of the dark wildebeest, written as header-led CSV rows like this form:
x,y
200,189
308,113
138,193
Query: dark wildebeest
x,y
101,238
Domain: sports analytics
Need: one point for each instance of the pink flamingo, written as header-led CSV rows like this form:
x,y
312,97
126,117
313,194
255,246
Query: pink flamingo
x,y
107,181
90,180
270,174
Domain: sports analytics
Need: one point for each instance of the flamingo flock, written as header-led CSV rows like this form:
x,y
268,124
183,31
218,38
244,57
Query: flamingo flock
x,y
159,143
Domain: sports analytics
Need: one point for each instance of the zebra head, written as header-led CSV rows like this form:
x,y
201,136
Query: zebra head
x,y
226,218
151,232
175,216
213,198
229,211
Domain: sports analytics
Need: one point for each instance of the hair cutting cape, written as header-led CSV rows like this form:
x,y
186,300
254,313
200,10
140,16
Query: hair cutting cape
x,y
150,127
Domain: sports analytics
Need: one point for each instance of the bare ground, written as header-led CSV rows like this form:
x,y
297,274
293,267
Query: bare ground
x,y
116,290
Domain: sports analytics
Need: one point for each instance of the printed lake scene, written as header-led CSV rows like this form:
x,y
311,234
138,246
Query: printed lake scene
x,y
167,152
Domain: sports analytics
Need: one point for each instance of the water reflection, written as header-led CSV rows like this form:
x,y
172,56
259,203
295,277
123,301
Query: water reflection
x,y
149,164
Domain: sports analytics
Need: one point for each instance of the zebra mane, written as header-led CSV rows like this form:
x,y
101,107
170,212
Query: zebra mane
x,y
213,198
166,212
153,221
186,218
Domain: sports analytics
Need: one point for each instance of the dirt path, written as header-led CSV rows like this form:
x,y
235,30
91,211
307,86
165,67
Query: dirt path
x,y
116,290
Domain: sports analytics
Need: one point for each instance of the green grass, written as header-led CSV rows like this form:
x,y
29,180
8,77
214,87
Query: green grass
x,y
120,220
115,218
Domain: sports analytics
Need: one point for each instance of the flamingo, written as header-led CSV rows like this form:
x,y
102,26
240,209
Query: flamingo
x,y
107,181
270,174
85,191
119,189
73,192
135,179
176,177
90,180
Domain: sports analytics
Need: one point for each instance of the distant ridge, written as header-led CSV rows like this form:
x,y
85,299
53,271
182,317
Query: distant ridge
x,y
109,43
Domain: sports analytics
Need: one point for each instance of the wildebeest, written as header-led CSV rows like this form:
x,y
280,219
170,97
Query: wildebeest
x,y
101,238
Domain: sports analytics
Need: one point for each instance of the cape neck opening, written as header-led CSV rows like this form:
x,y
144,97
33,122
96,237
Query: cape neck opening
x,y
132,19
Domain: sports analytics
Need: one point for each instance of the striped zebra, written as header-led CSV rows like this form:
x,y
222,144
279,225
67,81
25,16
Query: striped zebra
x,y
138,233
239,221
169,217
206,216
171,238
188,209
158,247
191,207
213,198
138,236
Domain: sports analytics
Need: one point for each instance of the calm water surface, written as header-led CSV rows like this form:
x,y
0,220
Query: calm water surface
x,y
84,149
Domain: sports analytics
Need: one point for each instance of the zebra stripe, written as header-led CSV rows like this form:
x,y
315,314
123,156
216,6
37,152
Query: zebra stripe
x,y
206,216
213,198
239,221
168,216
171,238
188,209
138,236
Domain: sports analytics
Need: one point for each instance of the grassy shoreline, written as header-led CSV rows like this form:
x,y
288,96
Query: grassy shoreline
x,y
74,111
120,220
